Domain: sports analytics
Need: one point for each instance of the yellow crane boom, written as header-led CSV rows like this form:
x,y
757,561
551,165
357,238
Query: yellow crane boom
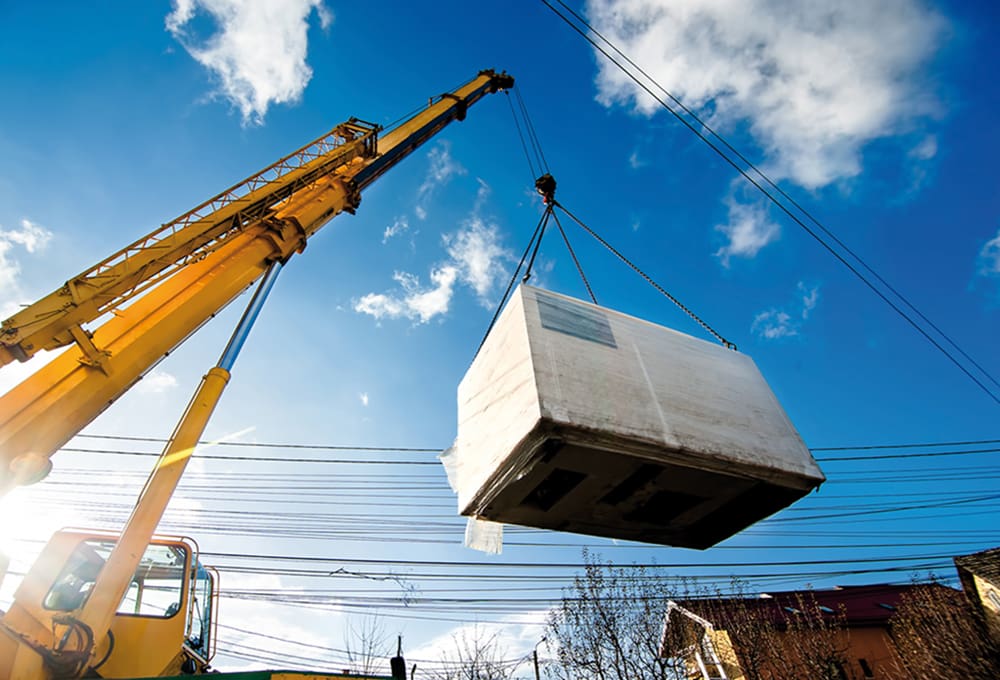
x,y
84,608
180,275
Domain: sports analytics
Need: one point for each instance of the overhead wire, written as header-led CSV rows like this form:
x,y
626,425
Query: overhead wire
x,y
414,449
361,524
752,166
393,462
778,203
890,456
269,459
270,445
64,490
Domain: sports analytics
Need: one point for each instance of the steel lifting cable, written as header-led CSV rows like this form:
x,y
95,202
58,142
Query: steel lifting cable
x,y
546,187
572,254
648,279
539,229
538,244
520,135
532,135
536,238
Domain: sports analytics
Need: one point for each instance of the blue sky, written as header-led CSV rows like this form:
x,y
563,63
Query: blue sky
x,y
881,121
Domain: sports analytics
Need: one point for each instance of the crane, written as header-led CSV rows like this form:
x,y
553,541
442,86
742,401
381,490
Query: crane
x,y
134,605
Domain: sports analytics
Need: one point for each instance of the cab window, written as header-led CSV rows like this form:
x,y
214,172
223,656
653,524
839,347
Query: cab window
x,y
200,623
155,589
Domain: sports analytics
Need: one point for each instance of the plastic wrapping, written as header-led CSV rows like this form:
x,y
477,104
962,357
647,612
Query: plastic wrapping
x,y
578,418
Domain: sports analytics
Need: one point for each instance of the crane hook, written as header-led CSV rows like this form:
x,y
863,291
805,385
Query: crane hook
x,y
546,186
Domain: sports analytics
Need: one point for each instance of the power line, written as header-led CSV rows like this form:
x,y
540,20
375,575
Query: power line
x,y
436,450
383,461
697,131
889,456
269,459
919,445
556,565
265,445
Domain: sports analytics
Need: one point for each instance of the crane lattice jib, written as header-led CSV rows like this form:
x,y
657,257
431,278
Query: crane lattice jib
x,y
184,273
141,265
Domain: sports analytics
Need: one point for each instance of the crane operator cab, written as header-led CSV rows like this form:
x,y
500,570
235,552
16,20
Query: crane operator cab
x,y
164,625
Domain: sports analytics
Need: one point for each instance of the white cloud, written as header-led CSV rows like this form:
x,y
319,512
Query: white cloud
x,y
482,194
774,323
920,163
363,396
810,296
156,382
477,252
749,229
442,168
33,238
258,52
399,225
420,303
989,257
926,149
813,81
475,259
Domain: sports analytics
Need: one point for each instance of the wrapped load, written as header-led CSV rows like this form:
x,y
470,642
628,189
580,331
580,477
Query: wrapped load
x,y
577,418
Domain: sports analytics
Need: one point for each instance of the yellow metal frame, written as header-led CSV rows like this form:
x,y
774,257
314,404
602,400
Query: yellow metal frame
x,y
39,642
180,275
174,279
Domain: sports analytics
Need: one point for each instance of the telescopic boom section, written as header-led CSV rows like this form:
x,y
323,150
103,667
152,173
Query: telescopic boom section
x,y
182,274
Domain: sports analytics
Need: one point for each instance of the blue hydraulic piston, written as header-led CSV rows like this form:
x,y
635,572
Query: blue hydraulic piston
x,y
232,350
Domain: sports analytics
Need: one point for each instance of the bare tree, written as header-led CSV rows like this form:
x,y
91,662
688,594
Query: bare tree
x,y
816,641
367,645
750,626
937,636
609,627
477,655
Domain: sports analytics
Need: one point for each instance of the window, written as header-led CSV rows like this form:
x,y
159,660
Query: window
x,y
158,583
837,670
200,623
155,589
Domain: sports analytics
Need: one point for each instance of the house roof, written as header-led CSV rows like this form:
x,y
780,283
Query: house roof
x,y
984,564
869,605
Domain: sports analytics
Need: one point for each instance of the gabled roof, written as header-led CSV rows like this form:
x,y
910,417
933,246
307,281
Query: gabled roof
x,y
869,605
984,564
